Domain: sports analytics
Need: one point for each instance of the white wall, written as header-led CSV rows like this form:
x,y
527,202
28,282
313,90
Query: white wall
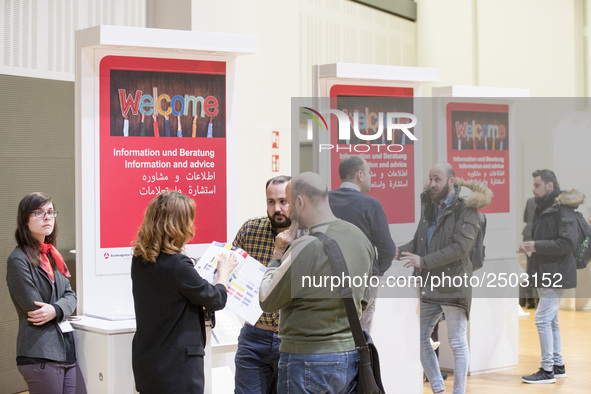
x,y
528,44
531,44
446,40
292,37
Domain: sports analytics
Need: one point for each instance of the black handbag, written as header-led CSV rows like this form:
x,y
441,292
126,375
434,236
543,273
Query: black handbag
x,y
369,380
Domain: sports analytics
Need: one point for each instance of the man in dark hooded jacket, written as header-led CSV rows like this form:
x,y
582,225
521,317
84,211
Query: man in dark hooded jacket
x,y
440,249
551,266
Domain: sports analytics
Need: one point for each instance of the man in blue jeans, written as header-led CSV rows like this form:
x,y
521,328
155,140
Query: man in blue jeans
x,y
258,346
551,267
440,248
318,352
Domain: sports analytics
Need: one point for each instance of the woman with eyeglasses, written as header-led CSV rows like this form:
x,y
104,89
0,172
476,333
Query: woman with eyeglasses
x,y
169,298
37,279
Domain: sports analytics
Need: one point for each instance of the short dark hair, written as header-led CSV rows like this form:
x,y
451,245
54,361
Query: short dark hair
x,y
24,239
277,180
546,176
349,167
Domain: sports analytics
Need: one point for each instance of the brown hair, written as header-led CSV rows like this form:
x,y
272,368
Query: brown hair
x,y
167,226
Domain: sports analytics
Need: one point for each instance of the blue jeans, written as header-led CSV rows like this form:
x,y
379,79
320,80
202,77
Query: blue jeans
x,y
329,373
256,361
548,330
457,329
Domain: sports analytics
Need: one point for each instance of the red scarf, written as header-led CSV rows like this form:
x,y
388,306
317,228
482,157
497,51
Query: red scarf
x,y
45,265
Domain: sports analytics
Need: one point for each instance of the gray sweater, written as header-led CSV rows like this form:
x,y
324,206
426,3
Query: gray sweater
x,y
26,284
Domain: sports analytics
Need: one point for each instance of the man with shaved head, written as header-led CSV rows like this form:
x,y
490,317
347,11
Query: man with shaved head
x,y
313,325
440,248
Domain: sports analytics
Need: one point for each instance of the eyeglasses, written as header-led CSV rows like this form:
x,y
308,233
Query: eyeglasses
x,y
41,214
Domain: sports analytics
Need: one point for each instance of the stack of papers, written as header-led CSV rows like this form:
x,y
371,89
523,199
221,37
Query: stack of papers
x,y
244,282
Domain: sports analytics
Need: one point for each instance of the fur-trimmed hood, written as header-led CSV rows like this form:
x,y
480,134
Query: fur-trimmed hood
x,y
570,198
475,194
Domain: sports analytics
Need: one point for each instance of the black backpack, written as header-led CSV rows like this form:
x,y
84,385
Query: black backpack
x,y
477,253
582,250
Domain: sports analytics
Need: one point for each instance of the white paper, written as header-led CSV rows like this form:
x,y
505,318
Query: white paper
x,y
523,247
227,328
244,282
65,326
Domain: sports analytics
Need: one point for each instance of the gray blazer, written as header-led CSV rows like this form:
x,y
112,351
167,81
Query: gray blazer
x,y
26,284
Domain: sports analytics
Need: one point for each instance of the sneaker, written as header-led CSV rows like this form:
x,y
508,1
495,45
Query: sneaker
x,y
559,371
541,377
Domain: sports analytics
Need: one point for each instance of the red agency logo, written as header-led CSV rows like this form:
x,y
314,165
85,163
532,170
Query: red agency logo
x,y
393,121
106,256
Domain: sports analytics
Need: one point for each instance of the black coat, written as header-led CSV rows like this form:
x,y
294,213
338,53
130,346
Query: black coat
x,y
367,214
168,346
554,232
26,284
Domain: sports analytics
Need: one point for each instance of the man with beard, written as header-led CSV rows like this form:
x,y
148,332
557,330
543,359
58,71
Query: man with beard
x,y
440,249
551,266
258,346
351,203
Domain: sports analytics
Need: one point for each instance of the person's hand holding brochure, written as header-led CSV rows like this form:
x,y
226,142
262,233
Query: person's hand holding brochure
x,y
527,247
243,284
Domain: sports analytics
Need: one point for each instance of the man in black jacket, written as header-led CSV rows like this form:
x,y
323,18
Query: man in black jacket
x,y
552,267
350,203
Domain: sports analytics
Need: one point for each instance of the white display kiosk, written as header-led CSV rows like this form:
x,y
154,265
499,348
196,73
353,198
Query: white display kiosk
x,y
493,329
196,60
395,327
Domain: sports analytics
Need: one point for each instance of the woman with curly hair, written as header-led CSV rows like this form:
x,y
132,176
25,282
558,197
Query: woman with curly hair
x,y
37,279
170,298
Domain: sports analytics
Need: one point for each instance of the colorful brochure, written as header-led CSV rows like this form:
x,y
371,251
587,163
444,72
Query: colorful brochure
x,y
244,282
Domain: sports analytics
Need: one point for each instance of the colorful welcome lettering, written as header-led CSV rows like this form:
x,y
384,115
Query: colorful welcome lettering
x,y
477,130
145,104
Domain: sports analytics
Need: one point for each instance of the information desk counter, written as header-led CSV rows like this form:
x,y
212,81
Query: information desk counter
x,y
104,354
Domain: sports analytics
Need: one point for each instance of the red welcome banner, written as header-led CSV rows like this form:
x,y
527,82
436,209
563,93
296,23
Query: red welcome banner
x,y
391,161
478,148
162,127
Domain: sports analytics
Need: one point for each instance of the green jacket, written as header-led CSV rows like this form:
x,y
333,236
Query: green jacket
x,y
312,316
448,254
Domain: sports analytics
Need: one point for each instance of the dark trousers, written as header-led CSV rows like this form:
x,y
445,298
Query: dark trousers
x,y
53,378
